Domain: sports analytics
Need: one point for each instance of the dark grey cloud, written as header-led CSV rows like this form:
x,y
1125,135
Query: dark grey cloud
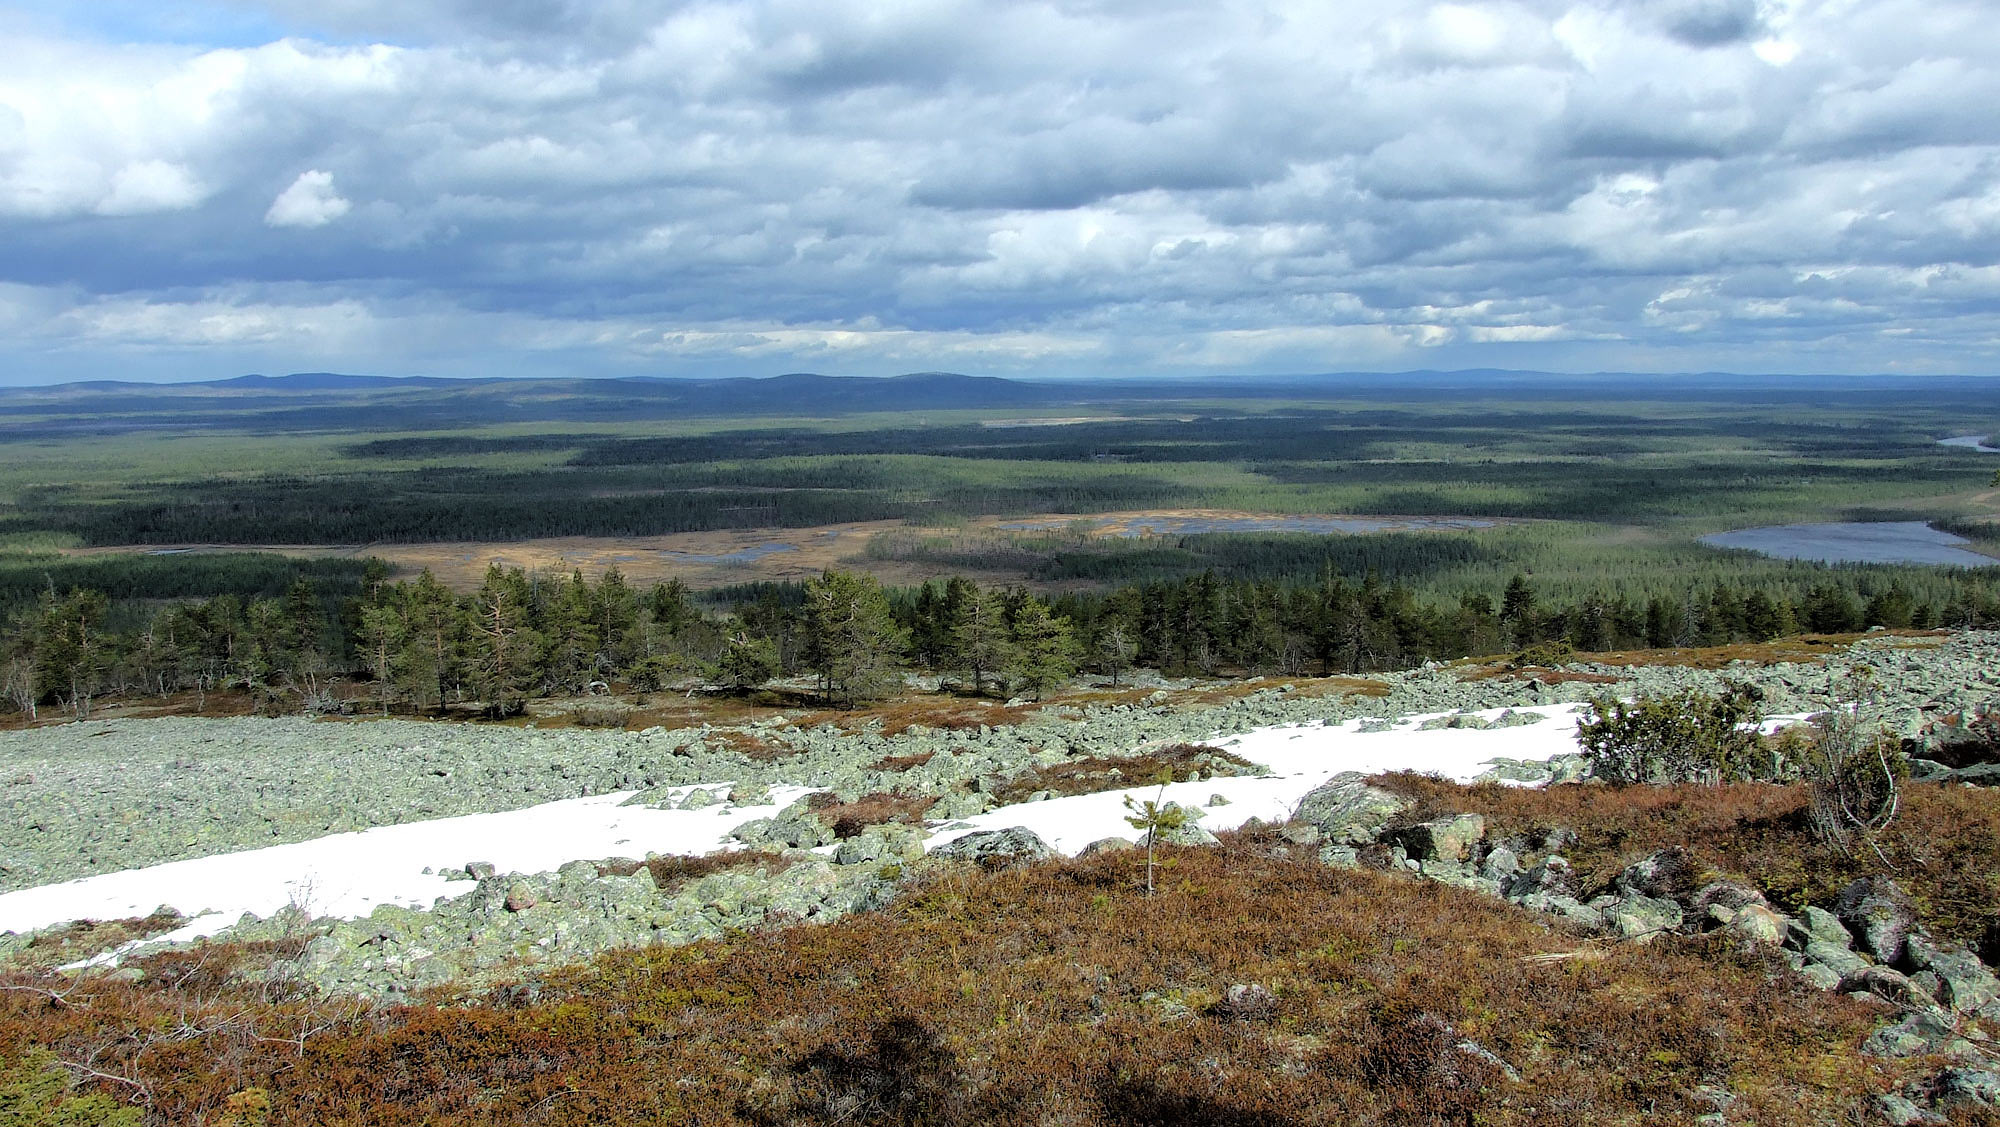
x,y
1710,23
717,185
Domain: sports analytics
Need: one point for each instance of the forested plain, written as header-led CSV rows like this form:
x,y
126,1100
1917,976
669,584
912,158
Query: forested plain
x,y
1587,494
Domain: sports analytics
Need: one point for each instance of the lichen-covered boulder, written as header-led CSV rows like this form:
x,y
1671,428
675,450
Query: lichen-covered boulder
x,y
997,849
1445,839
1346,809
1964,983
1639,917
1879,915
1665,875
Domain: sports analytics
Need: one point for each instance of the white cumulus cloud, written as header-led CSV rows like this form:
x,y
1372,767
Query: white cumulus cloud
x,y
309,202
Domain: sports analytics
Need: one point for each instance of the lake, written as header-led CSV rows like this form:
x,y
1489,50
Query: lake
x,y
1970,442
1893,541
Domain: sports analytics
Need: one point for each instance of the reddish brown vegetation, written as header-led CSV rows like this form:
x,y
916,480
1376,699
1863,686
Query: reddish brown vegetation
x,y
1054,994
679,868
1944,846
903,762
84,938
1096,773
848,819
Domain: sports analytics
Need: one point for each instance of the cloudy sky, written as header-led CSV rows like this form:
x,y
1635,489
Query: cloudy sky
x,y
204,188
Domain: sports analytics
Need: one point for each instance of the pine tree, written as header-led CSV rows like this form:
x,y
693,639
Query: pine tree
x,y
851,639
979,635
1044,648
1153,816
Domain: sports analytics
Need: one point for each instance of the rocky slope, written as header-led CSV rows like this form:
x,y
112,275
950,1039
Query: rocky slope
x,y
93,797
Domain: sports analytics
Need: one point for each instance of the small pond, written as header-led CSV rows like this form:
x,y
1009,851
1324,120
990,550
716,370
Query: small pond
x,y
1893,541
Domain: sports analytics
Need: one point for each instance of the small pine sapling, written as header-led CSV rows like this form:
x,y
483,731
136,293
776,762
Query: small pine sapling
x,y
1152,815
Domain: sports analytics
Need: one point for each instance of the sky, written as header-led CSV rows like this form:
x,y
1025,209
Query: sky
x,y
205,188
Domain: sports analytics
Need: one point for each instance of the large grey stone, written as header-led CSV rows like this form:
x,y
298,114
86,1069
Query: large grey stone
x,y
1552,876
1916,1034
1900,1111
1500,865
1889,984
1965,983
997,849
1346,809
1966,1087
1759,925
1445,839
1641,918
1879,916
1817,925
1665,875
1840,960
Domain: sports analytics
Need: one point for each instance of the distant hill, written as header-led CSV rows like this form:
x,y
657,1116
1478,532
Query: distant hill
x,y
329,381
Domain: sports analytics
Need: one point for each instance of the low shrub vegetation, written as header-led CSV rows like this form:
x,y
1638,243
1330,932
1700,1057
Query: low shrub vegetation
x,y
848,819
1054,994
1181,762
1943,846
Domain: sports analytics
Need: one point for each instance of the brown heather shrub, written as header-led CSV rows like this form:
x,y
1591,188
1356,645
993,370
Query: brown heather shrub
x,y
1097,773
903,762
1943,847
848,819
1047,995
679,868
85,938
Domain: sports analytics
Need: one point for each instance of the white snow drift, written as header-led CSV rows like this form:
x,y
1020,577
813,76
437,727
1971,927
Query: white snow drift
x,y
348,875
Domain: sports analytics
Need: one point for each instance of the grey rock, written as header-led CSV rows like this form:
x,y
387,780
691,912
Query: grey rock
x,y
1820,976
521,897
1840,960
1107,845
1551,876
1878,915
1964,983
1445,839
1346,809
1500,864
1665,875
1759,925
1966,1087
479,870
1187,833
1822,926
1899,1111
1915,1034
997,849
1727,896
1340,857
1889,984
1641,918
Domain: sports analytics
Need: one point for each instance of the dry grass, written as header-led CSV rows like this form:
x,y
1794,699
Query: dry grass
x,y
1057,994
